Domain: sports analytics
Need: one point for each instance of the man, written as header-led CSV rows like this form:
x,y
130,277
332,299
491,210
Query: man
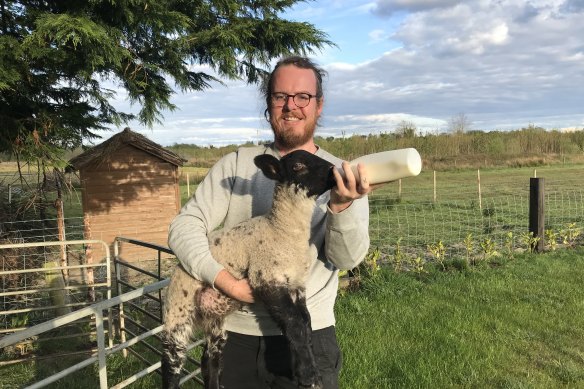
x,y
256,354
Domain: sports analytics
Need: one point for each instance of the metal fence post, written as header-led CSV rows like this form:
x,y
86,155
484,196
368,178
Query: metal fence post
x,y
537,212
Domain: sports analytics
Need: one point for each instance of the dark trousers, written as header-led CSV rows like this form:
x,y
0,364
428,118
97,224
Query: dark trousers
x,y
261,362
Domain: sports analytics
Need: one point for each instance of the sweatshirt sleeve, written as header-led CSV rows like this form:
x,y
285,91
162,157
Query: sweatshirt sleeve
x,y
202,214
347,235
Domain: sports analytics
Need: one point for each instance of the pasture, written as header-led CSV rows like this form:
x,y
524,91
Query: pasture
x,y
519,324
516,323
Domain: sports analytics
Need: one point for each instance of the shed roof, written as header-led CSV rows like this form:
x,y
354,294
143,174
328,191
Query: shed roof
x,y
101,152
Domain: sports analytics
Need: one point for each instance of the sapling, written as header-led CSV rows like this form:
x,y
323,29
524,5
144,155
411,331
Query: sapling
x,y
398,256
569,234
417,265
551,238
438,251
529,241
371,262
488,249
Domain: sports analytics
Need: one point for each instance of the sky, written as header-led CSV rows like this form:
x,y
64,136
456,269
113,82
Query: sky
x,y
503,64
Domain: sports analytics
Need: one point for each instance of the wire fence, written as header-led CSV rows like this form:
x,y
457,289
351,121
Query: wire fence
x,y
506,217
416,224
445,206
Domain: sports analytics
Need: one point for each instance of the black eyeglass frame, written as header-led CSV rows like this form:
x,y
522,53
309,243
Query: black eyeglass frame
x,y
287,96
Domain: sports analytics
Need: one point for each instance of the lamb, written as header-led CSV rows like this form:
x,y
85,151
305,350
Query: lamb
x,y
270,251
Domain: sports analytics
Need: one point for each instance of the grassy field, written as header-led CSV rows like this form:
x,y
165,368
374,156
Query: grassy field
x,y
518,325
512,324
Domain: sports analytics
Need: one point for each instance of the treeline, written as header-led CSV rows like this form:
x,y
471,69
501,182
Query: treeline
x,y
527,146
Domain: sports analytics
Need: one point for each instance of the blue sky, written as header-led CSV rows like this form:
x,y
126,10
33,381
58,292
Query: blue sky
x,y
503,64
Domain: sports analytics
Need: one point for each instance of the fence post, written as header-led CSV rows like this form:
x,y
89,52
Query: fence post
x,y
537,211
399,189
479,184
434,186
188,186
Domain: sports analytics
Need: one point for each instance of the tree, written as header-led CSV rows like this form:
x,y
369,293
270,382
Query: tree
x,y
56,56
406,129
459,124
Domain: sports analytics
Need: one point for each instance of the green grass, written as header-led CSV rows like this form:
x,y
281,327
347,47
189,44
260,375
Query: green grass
x,y
515,323
518,325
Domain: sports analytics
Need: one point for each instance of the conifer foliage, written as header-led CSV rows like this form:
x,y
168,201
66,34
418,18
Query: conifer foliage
x,y
58,58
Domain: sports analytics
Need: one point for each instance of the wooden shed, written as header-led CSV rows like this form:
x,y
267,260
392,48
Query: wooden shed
x,y
130,188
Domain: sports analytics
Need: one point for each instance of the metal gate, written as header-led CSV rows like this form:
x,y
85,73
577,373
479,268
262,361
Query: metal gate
x,y
109,317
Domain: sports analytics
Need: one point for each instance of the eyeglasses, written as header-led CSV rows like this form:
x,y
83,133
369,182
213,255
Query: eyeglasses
x,y
300,99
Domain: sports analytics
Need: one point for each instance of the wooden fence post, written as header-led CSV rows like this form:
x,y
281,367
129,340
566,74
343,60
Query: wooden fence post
x,y
399,189
479,183
434,186
537,211
188,186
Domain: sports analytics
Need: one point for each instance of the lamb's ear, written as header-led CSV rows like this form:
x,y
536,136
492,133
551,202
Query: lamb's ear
x,y
269,165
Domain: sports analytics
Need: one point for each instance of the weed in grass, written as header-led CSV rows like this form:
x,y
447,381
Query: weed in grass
x,y
369,269
551,238
438,252
398,256
488,249
417,266
570,234
529,241
371,262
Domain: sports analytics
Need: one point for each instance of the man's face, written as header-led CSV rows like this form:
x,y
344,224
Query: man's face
x,y
294,126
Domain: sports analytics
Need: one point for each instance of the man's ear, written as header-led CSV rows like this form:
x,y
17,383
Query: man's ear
x,y
269,165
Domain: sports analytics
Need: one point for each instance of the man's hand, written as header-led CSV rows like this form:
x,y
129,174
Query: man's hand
x,y
348,189
234,288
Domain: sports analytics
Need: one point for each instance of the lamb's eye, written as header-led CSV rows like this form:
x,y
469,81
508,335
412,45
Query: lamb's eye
x,y
298,166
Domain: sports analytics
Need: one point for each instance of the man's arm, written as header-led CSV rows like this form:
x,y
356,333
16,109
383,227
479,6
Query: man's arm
x,y
203,213
347,227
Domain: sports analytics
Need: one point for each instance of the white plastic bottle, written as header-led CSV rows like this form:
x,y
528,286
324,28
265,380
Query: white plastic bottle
x,y
389,165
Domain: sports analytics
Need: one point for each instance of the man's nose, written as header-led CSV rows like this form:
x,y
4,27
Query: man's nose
x,y
289,103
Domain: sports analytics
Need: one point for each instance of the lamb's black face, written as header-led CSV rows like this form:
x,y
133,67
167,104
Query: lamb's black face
x,y
300,167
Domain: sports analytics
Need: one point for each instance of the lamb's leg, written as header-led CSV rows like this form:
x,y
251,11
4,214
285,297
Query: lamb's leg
x,y
173,356
179,312
288,309
175,338
212,360
213,307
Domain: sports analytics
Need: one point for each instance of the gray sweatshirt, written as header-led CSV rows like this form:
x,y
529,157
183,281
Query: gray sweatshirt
x,y
236,190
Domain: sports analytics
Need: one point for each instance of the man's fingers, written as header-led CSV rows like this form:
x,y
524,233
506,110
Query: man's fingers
x,y
363,187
